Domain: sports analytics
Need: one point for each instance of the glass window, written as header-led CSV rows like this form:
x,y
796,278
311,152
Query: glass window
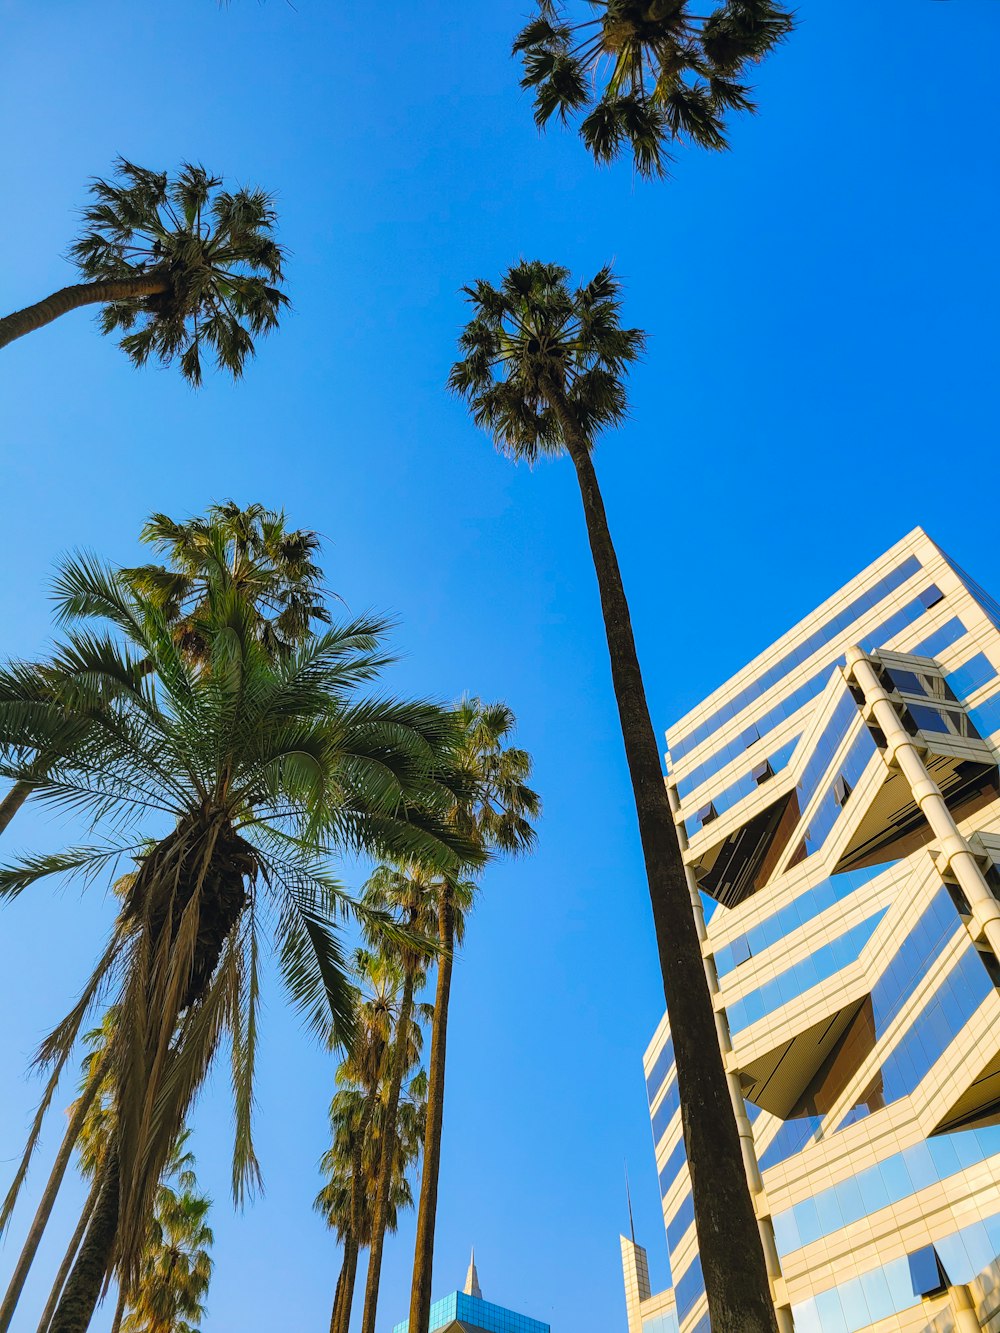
x,y
942,638
814,968
926,1274
680,1222
831,1313
666,1111
986,716
878,1295
672,1168
662,1067
971,676
856,1312
907,682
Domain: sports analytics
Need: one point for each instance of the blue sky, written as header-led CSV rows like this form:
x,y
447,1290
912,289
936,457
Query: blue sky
x,y
821,304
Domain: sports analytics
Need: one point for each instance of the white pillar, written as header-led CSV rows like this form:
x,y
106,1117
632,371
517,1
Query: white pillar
x,y
966,1320
903,752
743,1125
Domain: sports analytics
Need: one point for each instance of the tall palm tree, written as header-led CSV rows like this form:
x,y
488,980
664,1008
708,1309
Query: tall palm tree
x,y
195,267
250,550
380,1017
495,818
253,770
176,1266
646,73
409,891
337,1199
543,371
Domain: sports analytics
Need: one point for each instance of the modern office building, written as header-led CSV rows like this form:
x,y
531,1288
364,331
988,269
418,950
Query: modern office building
x,y
838,803
466,1312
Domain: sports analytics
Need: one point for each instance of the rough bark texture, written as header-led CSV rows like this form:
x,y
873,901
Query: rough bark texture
x,y
383,1186
34,317
423,1257
9,807
83,1290
729,1242
76,1240
45,1205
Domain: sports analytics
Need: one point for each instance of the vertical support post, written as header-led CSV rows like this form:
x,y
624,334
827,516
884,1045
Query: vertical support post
x,y
903,752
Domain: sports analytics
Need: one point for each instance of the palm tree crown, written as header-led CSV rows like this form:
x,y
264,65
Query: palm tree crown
x,y
251,550
647,72
541,358
214,250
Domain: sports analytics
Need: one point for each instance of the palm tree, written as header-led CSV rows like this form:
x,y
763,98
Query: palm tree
x,y
254,770
195,266
646,73
543,371
409,892
496,818
176,1266
380,1018
250,550
337,1200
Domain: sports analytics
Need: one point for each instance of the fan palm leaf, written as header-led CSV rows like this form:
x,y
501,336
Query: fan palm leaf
x,y
180,266
641,75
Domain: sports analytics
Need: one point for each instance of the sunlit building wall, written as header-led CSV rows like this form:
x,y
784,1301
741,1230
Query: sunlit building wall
x,y
839,808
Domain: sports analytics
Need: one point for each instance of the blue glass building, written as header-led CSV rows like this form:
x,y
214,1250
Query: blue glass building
x,y
838,803
467,1312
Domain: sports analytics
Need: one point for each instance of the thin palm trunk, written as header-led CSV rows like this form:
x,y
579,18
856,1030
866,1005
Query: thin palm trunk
x,y
387,1162
12,802
76,1241
423,1257
349,1271
79,1298
46,1204
36,316
345,1295
732,1256
338,1299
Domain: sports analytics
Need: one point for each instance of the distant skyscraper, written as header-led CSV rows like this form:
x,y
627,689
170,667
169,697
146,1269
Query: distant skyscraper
x,y
839,809
466,1312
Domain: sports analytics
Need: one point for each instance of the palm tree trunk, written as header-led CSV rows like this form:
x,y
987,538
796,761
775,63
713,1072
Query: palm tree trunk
x,y
12,802
383,1186
46,1203
732,1255
423,1257
345,1294
83,1290
349,1272
71,1250
36,316
338,1299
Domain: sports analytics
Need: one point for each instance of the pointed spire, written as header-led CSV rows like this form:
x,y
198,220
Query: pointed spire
x,y
472,1287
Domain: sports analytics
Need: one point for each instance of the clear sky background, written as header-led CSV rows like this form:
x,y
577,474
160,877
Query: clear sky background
x,y
822,308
